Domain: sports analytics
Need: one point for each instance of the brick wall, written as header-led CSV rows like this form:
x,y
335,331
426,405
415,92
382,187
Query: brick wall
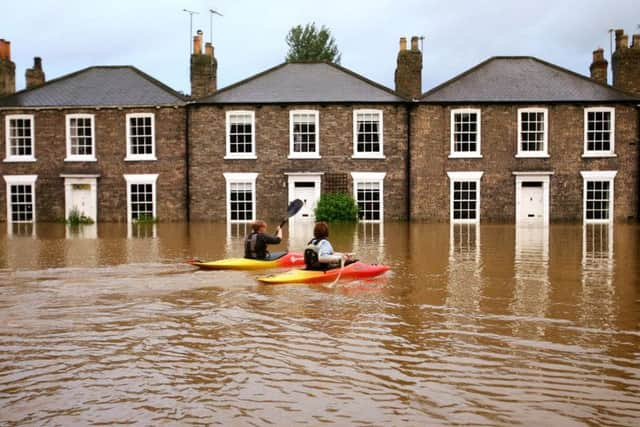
x,y
208,148
110,143
430,148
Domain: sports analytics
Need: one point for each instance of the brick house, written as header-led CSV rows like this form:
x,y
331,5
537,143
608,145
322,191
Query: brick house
x,y
107,141
517,139
295,131
513,139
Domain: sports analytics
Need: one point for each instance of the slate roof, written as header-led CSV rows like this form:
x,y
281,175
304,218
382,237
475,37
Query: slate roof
x,y
317,82
522,79
97,86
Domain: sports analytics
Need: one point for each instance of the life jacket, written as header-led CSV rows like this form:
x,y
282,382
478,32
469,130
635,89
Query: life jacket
x,y
251,247
311,255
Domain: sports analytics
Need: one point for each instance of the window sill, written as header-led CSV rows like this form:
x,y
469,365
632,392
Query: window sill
x,y
19,159
465,156
532,156
596,155
299,157
80,159
232,157
465,221
363,156
140,158
597,221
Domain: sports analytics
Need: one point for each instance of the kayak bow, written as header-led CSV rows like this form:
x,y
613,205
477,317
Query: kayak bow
x,y
357,270
290,259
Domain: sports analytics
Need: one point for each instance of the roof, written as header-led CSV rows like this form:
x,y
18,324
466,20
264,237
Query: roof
x,y
97,86
311,82
522,79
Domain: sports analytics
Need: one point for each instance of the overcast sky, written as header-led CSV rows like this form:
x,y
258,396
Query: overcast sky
x,y
153,35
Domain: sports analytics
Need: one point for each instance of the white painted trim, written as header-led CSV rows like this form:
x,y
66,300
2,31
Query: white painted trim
x,y
598,176
151,178
84,157
465,154
240,178
69,180
20,180
314,155
545,142
543,177
371,155
373,177
532,173
136,157
612,139
464,176
229,155
16,158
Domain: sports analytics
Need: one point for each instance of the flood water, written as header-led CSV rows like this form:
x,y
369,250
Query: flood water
x,y
474,325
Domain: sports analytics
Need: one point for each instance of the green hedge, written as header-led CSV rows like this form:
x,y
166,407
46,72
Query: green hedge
x,y
336,207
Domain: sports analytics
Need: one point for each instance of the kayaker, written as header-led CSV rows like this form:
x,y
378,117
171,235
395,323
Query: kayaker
x,y
255,244
319,254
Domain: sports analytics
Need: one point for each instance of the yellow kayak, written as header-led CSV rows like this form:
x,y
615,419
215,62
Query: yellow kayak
x,y
289,259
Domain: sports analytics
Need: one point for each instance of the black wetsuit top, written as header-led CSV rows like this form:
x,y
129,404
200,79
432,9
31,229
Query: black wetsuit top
x,y
255,245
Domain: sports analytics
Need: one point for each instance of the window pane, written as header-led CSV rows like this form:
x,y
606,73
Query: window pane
x,y
368,198
465,134
368,132
465,200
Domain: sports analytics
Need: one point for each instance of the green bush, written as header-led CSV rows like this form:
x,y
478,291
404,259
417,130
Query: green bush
x,y
145,219
336,207
77,218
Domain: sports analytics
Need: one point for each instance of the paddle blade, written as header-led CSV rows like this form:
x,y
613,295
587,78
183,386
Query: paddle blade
x,y
294,207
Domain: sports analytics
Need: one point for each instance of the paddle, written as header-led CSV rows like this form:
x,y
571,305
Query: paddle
x,y
294,208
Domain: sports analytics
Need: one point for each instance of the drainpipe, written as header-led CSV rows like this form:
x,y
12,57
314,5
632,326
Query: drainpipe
x,y
187,174
409,107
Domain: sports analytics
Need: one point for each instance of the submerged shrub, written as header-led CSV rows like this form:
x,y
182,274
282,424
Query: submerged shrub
x,y
77,218
145,219
336,207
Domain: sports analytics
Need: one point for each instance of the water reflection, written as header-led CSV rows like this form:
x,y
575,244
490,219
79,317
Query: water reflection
x,y
83,231
465,267
368,242
21,229
598,293
531,265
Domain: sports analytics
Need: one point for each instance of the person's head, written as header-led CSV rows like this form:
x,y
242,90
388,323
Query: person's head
x,y
259,226
321,230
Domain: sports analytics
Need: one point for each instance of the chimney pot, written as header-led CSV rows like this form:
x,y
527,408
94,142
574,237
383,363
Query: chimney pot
x,y
414,43
37,63
636,41
403,43
619,34
598,67
35,76
197,43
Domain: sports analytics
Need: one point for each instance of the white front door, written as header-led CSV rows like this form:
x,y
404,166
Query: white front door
x,y
306,191
531,202
81,195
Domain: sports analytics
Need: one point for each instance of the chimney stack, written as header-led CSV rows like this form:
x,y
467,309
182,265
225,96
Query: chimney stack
x,y
35,76
408,76
598,67
204,69
625,63
7,69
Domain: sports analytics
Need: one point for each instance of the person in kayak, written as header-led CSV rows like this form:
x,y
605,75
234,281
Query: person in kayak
x,y
319,254
255,244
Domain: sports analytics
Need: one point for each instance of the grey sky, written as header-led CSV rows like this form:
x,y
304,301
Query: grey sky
x,y
153,35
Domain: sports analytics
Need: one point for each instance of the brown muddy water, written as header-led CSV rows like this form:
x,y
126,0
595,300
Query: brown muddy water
x,y
487,325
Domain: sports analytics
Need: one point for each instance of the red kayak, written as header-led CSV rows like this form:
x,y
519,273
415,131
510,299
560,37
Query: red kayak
x,y
356,270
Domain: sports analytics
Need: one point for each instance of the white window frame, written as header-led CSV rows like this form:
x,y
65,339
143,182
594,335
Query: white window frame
x,y
310,155
463,177
20,180
369,177
544,153
368,155
19,158
240,178
465,154
141,179
612,136
229,154
81,157
134,157
608,176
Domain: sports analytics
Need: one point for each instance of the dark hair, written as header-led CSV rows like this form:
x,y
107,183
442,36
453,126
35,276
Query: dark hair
x,y
257,225
321,230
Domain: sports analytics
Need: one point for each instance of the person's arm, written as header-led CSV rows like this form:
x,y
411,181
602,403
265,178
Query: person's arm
x,y
326,255
272,240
